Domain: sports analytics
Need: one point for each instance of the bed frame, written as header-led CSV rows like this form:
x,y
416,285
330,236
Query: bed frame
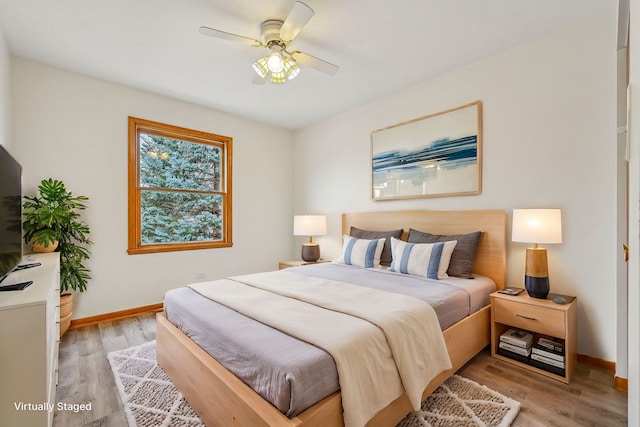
x,y
221,399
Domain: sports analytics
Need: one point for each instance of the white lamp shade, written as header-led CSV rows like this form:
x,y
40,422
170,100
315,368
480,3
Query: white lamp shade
x,y
291,69
309,225
260,67
537,226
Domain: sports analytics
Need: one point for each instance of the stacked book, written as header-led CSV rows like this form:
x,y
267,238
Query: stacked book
x,y
548,355
516,344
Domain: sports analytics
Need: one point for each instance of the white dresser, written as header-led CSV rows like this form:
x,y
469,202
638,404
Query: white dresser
x,y
29,341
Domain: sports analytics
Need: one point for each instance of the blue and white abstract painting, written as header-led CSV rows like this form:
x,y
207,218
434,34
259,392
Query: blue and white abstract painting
x,y
432,156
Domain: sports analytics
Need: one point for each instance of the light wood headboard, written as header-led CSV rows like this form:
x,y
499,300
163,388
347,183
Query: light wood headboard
x,y
491,260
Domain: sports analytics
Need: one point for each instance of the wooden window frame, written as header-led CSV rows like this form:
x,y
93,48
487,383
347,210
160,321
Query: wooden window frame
x,y
136,125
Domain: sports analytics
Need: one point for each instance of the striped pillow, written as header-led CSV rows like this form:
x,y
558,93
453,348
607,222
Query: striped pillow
x,y
361,252
422,259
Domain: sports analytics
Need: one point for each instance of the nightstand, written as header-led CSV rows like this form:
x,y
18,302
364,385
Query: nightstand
x,y
541,317
298,263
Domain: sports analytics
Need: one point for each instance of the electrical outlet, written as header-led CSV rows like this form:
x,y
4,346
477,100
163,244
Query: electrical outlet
x,y
201,276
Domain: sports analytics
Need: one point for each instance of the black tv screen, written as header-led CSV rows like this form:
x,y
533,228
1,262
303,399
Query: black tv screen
x,y
10,213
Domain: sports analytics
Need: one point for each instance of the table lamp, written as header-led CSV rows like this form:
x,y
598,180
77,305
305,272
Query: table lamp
x,y
537,226
310,225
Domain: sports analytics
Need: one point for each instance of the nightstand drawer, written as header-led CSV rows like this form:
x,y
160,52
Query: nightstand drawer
x,y
530,317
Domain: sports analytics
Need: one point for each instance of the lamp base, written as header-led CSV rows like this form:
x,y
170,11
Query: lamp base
x,y
310,252
537,287
536,273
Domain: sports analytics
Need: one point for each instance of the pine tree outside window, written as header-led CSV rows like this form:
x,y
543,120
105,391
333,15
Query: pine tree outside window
x,y
179,188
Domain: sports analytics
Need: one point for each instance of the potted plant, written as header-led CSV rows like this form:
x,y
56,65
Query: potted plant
x,y
53,216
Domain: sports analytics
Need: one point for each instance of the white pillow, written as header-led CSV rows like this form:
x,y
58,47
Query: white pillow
x,y
422,259
361,252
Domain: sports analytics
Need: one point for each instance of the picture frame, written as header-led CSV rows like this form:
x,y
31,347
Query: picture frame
x,y
432,156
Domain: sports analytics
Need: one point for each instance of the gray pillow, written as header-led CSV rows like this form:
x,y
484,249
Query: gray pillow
x,y
385,258
464,254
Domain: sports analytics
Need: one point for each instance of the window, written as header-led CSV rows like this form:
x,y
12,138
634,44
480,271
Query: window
x,y
179,188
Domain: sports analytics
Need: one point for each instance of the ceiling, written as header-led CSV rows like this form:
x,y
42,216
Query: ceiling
x,y
380,46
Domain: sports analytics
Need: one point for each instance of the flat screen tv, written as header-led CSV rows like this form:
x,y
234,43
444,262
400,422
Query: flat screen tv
x,y
10,213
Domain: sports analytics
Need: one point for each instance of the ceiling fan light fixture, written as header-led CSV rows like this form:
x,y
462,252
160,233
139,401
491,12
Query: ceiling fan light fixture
x,y
291,69
280,64
260,67
275,62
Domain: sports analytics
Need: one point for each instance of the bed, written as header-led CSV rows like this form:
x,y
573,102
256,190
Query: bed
x,y
203,380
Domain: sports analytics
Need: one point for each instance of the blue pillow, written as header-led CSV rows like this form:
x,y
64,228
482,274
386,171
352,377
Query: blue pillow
x,y
422,259
361,252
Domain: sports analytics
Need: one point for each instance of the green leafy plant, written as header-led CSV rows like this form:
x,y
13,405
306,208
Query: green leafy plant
x,y
53,216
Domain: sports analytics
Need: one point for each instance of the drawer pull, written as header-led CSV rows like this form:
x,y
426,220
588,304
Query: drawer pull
x,y
526,317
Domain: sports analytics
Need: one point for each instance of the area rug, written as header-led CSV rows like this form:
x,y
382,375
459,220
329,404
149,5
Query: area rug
x,y
150,398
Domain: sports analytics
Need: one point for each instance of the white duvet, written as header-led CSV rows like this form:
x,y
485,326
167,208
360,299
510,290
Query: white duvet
x,y
384,344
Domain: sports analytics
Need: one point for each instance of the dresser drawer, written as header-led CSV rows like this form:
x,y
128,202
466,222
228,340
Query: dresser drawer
x,y
530,317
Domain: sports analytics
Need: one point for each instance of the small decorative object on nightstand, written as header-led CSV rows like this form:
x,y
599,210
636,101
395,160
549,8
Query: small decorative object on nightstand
x,y
537,226
310,225
547,323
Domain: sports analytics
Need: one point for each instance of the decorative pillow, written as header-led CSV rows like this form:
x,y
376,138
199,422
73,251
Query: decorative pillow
x,y
385,258
464,255
361,252
422,259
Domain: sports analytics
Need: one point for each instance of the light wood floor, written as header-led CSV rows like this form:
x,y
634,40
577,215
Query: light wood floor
x,y
85,376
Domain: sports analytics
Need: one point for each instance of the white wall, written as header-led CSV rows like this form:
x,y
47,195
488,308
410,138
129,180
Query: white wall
x,y
74,128
5,93
549,141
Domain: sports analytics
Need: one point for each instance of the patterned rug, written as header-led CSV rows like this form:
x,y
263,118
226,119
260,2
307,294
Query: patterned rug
x,y
150,398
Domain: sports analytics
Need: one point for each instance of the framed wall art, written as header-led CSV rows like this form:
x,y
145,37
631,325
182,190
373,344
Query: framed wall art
x,y
432,156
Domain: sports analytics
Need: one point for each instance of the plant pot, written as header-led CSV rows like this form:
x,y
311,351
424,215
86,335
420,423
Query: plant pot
x,y
37,247
66,306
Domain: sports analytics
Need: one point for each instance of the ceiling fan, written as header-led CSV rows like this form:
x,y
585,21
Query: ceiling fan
x,y
280,64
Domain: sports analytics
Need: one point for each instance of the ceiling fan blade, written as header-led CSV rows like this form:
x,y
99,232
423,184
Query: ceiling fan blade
x,y
206,31
298,17
315,63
